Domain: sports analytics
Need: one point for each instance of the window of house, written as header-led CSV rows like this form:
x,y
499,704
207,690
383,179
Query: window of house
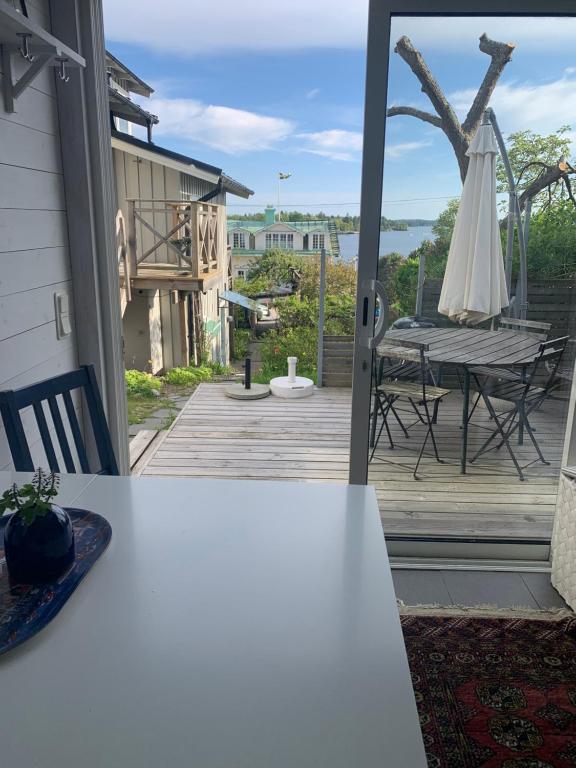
x,y
239,240
240,273
317,242
282,240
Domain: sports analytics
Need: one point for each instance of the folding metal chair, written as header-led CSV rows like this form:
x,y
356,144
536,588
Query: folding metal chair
x,y
383,367
523,396
407,381
532,327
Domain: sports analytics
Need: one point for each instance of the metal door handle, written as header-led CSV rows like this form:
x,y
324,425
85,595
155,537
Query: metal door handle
x,y
371,338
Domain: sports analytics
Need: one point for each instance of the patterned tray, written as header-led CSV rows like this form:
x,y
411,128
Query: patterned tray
x,y
26,609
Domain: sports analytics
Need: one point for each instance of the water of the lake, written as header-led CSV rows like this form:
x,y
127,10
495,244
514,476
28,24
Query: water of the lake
x,y
400,242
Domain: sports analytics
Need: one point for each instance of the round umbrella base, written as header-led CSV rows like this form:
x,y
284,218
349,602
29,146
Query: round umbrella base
x,y
282,386
239,392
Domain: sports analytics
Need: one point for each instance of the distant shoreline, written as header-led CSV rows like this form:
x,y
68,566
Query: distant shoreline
x,y
392,229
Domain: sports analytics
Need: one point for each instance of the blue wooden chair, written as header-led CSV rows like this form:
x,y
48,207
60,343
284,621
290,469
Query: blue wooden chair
x,y
14,401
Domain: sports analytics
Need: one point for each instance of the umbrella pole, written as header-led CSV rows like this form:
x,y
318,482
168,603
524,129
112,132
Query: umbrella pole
x,y
521,299
522,284
509,249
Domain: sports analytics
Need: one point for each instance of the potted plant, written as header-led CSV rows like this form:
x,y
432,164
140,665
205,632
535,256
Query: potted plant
x,y
38,537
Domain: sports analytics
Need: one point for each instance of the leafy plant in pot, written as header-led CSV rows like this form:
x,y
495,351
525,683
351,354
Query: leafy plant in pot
x,y
38,537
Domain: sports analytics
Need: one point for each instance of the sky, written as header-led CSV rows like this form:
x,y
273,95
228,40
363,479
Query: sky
x,y
260,88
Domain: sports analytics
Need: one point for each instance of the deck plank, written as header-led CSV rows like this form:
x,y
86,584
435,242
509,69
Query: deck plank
x,y
308,440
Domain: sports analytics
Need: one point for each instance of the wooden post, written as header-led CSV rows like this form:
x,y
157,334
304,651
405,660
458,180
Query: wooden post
x,y
195,240
182,316
420,288
320,351
132,257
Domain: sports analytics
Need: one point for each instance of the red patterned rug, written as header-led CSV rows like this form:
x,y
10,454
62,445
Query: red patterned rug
x,y
494,692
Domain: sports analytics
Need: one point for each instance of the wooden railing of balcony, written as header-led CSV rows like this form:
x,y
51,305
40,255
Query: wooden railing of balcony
x,y
187,236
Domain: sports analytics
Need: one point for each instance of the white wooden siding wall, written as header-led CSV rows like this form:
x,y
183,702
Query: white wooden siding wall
x,y
34,256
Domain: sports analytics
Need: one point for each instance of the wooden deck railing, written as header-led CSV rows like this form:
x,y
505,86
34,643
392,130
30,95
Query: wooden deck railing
x,y
184,235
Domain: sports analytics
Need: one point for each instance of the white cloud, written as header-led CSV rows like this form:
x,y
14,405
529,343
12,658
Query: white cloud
x,y
335,144
394,151
253,25
192,28
312,93
539,107
347,145
229,130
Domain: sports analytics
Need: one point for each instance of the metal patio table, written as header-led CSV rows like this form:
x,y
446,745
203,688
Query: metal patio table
x,y
467,347
229,624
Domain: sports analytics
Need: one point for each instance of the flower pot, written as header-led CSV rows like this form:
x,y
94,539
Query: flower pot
x,y
40,551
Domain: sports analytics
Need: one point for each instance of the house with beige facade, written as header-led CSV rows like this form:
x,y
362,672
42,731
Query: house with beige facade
x,y
250,239
171,230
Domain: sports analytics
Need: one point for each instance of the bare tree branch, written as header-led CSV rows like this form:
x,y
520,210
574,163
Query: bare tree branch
x,y
419,113
538,163
568,185
551,175
450,124
458,135
500,53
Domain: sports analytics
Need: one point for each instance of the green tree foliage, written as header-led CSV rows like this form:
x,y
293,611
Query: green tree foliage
x,y
400,275
276,268
551,253
297,332
528,151
340,279
552,242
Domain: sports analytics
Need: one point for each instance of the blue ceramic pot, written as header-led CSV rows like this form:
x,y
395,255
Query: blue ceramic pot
x,y
41,551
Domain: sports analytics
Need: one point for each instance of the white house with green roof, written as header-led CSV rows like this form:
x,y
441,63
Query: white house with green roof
x,y
250,239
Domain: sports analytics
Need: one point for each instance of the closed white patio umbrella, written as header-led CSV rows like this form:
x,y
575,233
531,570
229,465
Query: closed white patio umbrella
x,y
474,286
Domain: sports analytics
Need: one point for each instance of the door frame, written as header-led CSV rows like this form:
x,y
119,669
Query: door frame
x,y
84,120
377,63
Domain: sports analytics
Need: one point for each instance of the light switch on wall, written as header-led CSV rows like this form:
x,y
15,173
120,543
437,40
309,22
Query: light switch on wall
x,y
62,311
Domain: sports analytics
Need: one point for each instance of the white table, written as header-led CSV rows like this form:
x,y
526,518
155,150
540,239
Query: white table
x,y
230,624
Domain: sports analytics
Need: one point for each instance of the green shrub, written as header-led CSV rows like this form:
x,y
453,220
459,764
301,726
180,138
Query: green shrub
x,y
218,369
140,383
291,342
188,376
241,341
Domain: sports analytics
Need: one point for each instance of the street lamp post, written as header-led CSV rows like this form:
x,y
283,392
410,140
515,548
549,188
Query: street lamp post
x,y
281,177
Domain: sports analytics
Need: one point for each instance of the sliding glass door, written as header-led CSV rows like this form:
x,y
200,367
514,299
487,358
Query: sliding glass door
x,y
466,268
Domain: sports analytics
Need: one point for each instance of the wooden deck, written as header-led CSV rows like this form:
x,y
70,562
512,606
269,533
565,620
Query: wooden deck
x,y
308,439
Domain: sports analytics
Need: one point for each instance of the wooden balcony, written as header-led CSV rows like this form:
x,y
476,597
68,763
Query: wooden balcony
x,y
171,244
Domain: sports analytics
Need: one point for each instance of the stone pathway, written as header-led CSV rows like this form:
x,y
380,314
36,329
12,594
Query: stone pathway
x,y
159,419
163,417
